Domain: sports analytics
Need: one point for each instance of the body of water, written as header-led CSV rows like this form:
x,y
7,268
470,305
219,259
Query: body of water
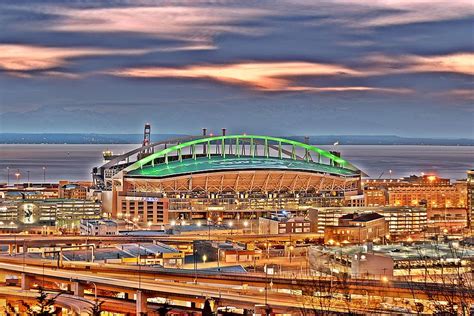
x,y
75,162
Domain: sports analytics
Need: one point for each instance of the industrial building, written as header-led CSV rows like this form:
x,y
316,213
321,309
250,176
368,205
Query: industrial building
x,y
222,178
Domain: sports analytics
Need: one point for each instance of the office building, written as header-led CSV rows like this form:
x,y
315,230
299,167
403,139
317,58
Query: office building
x,y
283,223
357,228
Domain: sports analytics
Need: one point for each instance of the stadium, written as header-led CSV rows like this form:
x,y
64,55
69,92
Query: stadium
x,y
223,177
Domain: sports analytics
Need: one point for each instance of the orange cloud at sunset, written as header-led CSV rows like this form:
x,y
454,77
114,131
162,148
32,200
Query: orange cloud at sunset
x,y
257,75
462,63
17,58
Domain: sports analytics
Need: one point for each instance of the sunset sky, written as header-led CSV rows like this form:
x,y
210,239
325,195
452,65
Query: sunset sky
x,y
295,67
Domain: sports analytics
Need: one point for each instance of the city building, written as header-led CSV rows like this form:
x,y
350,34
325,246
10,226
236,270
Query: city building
x,y
60,213
102,227
355,200
225,252
73,190
401,220
369,265
377,261
445,202
357,228
433,196
375,196
452,220
227,177
429,190
470,198
283,223
30,190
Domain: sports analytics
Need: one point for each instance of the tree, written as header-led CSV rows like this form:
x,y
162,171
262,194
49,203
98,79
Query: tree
x,y
164,309
207,310
447,284
44,306
97,308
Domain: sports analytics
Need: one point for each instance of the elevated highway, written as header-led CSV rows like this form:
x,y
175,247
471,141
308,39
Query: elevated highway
x,y
59,240
170,281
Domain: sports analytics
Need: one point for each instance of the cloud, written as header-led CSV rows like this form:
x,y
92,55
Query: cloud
x,y
388,12
191,22
22,58
271,76
461,63
463,95
262,76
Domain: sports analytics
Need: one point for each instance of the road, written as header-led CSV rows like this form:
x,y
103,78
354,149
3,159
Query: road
x,y
80,305
56,240
164,288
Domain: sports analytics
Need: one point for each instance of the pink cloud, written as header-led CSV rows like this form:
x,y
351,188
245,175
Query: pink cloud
x,y
263,76
18,58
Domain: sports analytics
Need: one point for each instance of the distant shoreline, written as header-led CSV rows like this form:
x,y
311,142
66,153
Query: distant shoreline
x,y
124,139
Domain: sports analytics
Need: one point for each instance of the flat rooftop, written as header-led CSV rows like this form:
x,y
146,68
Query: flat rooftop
x,y
400,252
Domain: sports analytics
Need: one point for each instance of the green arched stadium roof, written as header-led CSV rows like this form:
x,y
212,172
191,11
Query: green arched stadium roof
x,y
216,164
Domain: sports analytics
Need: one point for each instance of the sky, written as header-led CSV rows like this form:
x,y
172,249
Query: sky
x,y
294,67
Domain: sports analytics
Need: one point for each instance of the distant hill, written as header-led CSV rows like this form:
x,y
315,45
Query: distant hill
x,y
82,138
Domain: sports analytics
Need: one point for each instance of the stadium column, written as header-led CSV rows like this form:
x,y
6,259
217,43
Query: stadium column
x,y
77,288
25,282
141,302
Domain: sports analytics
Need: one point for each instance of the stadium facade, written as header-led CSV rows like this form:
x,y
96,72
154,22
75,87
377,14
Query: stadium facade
x,y
223,177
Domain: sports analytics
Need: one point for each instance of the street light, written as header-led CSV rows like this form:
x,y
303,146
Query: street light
x,y
44,174
95,289
8,176
17,175
291,251
204,259
231,224
246,224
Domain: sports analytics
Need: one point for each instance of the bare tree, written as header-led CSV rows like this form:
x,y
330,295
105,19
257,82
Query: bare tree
x,y
448,285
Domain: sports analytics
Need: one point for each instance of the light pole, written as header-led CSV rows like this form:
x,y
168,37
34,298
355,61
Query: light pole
x,y
8,176
17,175
44,174
95,289
231,224
139,268
291,252
28,177
209,228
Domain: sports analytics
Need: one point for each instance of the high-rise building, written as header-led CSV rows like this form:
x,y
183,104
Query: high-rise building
x,y
470,198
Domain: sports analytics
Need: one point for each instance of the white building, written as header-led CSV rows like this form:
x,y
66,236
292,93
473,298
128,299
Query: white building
x,y
101,227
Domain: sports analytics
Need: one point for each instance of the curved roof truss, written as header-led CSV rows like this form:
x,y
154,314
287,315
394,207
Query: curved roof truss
x,y
236,145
